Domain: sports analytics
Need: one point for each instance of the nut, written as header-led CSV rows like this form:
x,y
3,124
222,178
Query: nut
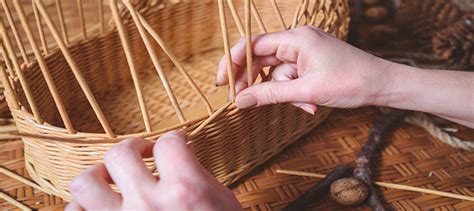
x,y
349,191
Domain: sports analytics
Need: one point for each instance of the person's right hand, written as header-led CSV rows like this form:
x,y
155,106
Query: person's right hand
x,y
312,68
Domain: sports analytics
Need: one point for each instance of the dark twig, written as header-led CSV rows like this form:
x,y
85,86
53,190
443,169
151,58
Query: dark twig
x,y
362,169
317,191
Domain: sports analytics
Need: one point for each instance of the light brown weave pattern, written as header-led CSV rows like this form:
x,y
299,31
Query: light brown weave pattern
x,y
99,80
409,158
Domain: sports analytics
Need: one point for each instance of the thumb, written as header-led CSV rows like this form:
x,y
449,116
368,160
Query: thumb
x,y
272,92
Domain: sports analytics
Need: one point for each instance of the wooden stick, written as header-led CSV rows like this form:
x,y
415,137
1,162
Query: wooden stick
x,y
44,68
19,178
387,185
155,61
19,43
235,16
14,202
82,21
9,93
209,120
19,73
257,16
101,16
176,62
279,15
75,69
62,24
228,56
39,25
131,64
248,39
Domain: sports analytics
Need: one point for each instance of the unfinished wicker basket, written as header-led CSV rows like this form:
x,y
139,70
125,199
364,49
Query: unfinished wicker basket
x,y
80,76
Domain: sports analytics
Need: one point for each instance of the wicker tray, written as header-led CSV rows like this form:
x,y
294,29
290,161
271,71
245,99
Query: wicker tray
x,y
93,92
413,157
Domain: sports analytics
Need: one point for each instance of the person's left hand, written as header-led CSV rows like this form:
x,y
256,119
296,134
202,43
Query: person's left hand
x,y
183,183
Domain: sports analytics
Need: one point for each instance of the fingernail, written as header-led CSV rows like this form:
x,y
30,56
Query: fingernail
x,y
174,135
246,101
307,109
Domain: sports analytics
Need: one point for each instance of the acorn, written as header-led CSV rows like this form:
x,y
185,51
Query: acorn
x,y
349,191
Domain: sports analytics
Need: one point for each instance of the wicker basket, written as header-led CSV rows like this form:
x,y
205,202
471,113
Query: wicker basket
x,y
89,79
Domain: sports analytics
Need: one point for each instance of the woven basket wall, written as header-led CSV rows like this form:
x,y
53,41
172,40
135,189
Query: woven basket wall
x,y
229,144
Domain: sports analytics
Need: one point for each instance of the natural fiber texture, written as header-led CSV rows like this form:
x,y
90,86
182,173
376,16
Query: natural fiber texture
x,y
89,78
413,157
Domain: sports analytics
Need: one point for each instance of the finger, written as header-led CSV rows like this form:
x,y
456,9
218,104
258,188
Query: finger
x,y
73,206
279,46
174,159
91,190
273,92
125,165
284,72
306,107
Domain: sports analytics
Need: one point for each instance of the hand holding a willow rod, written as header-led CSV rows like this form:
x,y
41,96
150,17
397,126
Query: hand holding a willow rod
x,y
312,69
183,183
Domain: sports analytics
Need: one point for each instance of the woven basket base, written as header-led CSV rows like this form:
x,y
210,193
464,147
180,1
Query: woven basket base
x,y
410,157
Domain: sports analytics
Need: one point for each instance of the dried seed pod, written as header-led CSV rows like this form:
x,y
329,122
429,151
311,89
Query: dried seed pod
x,y
349,191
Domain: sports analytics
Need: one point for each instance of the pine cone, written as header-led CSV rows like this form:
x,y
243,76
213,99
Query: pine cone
x,y
456,43
423,18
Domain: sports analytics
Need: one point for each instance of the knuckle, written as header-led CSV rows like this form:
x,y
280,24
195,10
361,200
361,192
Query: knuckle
x,y
270,95
79,184
118,151
187,192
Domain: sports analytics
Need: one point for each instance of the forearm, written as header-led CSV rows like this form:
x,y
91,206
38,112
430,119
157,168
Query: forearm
x,y
449,94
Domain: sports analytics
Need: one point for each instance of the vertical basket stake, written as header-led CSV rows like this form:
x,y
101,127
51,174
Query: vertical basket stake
x,y
128,54
257,16
228,56
279,15
59,10
7,63
235,15
77,73
101,16
8,13
248,39
82,21
39,25
44,68
19,72
176,62
8,92
156,63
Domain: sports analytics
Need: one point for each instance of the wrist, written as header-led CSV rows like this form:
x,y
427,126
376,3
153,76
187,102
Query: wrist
x,y
393,81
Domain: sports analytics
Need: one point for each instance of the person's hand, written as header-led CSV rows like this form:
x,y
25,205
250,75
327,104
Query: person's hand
x,y
183,183
312,68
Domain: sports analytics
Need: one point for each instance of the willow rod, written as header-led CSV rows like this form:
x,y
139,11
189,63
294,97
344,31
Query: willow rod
x,y
39,25
82,20
386,185
155,61
176,62
19,73
62,25
14,202
101,16
248,39
75,69
6,85
279,15
131,63
44,68
19,43
228,55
